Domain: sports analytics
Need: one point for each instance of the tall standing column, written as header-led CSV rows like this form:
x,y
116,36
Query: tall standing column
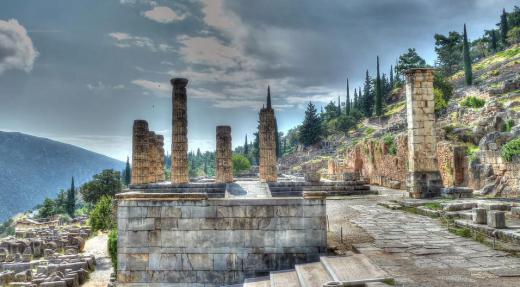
x,y
224,162
179,171
152,157
424,179
267,142
160,160
140,152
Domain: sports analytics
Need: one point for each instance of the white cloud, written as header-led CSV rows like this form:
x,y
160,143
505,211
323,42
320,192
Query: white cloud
x,y
16,48
99,86
163,14
209,51
125,40
158,89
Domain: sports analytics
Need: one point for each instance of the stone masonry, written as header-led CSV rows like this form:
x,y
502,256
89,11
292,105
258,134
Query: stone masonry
x,y
147,155
190,240
139,152
424,179
224,163
179,171
267,142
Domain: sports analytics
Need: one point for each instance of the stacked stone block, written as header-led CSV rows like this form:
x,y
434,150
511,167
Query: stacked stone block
x,y
159,172
224,163
267,143
424,179
152,156
165,238
179,171
147,155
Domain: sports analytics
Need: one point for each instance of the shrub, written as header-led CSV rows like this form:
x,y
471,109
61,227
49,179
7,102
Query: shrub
x,y
509,125
443,90
473,102
389,140
101,217
112,247
106,183
240,163
511,149
440,102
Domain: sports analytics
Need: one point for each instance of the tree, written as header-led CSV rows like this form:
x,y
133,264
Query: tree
x,y
504,28
347,104
391,77
513,36
101,217
106,183
256,149
128,172
494,44
240,163
409,60
331,112
467,60
379,92
449,52
367,100
339,106
344,123
47,209
71,199
355,99
246,147
311,131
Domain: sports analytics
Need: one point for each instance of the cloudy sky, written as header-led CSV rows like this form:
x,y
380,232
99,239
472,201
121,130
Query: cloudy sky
x,y
81,71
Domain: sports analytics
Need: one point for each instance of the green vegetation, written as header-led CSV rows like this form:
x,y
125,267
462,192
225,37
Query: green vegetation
x,y
473,102
7,228
463,231
112,247
468,73
395,108
471,151
311,131
389,140
510,123
127,173
71,199
201,164
106,183
410,60
101,217
379,93
433,206
511,149
442,91
240,164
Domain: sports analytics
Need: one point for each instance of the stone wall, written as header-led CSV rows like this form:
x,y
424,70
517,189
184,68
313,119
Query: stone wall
x,y
452,163
494,175
213,242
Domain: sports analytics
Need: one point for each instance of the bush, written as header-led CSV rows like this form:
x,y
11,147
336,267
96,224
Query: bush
x,y
473,102
106,183
240,163
511,149
389,140
443,90
509,125
101,217
112,247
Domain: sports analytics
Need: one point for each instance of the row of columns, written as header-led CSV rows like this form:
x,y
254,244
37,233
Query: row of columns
x,y
147,154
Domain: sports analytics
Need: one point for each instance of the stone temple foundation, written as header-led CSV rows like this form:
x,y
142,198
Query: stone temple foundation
x,y
267,142
424,179
224,153
179,171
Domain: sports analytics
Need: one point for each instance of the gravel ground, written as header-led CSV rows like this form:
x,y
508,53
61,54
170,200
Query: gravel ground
x,y
97,246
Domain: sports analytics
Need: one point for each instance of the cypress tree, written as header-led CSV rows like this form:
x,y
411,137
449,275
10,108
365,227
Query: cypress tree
x,y
347,104
128,172
391,77
504,28
379,92
366,101
246,147
339,106
355,98
467,60
71,199
310,132
494,44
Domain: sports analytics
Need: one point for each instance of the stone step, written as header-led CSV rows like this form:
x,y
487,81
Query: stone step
x,y
354,269
257,282
312,274
288,278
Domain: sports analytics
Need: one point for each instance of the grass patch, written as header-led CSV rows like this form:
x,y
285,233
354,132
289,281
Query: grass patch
x,y
461,231
433,206
511,149
473,102
394,108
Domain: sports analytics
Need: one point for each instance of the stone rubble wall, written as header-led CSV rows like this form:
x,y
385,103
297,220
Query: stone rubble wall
x,y
494,175
217,241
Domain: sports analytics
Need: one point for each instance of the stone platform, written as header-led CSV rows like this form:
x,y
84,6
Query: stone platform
x,y
212,189
330,188
191,239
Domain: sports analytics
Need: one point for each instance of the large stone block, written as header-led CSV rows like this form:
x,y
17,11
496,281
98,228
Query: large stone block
x,y
496,219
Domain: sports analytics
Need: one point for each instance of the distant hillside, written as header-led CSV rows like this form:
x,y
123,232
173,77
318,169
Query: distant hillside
x,y
32,168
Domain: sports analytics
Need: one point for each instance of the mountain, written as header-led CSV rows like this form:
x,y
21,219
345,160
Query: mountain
x,y
33,168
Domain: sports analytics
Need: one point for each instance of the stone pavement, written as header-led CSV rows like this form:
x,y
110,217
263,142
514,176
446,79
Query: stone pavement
x,y
419,251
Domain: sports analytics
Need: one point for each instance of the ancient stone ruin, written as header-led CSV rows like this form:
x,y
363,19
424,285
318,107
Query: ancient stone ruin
x,y
46,256
179,171
267,142
147,154
424,179
224,163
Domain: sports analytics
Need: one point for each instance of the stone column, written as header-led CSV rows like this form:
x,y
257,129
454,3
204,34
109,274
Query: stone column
x,y
424,179
179,171
267,143
152,157
224,163
140,152
160,160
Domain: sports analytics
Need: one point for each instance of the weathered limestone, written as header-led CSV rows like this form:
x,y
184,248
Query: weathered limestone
x,y
496,219
224,163
479,215
170,238
159,174
151,157
267,142
139,152
424,179
179,171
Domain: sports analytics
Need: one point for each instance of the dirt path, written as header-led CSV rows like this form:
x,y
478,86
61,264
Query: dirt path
x,y
97,246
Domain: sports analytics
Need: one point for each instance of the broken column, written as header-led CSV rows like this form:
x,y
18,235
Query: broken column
x,y
267,142
159,176
424,180
179,170
224,163
140,152
152,157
